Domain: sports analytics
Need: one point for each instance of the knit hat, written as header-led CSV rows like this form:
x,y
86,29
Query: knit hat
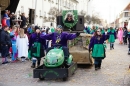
x,y
36,27
59,26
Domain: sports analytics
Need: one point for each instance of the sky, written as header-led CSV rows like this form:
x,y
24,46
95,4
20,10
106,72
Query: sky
x,y
107,9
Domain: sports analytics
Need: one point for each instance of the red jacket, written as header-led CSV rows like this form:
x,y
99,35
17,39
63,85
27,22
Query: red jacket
x,y
3,22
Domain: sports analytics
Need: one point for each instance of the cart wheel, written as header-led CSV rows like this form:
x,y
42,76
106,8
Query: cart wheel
x,y
41,77
65,79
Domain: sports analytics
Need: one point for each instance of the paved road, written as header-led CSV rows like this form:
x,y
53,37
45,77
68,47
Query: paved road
x,y
114,72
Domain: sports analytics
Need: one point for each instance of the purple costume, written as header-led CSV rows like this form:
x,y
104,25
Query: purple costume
x,y
64,37
98,52
36,38
94,40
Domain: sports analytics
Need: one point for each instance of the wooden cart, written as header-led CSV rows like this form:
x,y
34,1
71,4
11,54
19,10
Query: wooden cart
x,y
79,49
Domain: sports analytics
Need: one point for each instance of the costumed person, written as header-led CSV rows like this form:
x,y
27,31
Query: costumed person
x,y
43,31
5,42
120,35
98,49
13,36
93,30
106,31
60,37
36,47
87,30
102,31
69,18
128,36
52,30
22,45
111,37
128,28
30,30
125,32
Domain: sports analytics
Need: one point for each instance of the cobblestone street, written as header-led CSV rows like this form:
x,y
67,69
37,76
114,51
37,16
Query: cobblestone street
x,y
114,72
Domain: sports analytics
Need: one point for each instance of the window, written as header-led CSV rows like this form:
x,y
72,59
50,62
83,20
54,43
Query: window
x,y
80,21
44,13
126,14
56,1
64,3
51,24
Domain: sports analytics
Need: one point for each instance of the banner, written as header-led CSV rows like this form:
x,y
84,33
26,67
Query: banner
x,y
70,18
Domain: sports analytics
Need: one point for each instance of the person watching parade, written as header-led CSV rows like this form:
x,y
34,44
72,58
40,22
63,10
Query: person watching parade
x,y
36,47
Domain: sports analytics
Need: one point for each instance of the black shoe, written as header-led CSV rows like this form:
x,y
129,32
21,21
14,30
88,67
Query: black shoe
x,y
5,62
96,67
99,66
33,65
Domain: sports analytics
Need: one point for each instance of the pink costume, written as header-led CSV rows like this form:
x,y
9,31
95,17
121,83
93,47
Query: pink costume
x,y
120,35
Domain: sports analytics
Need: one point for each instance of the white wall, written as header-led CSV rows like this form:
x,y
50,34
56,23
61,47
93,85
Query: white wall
x,y
42,5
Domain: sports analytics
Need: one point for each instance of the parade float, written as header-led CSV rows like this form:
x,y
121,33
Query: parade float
x,y
55,64
78,47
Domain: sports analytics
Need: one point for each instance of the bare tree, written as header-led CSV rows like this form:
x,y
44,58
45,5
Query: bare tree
x,y
88,19
95,20
82,12
54,12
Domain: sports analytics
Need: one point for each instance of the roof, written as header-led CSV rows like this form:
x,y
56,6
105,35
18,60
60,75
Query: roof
x,y
127,7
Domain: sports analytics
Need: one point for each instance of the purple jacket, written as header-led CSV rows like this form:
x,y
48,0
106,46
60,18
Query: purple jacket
x,y
36,38
63,36
94,40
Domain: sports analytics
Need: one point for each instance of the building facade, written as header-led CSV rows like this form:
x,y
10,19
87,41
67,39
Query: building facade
x,y
46,10
124,16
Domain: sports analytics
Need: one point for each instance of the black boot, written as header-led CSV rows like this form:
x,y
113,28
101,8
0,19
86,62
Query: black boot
x,y
96,67
33,65
99,66
128,52
110,48
113,46
38,62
